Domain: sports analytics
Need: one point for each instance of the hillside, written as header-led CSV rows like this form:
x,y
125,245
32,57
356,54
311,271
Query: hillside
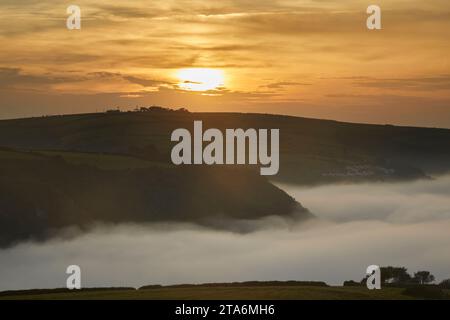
x,y
311,151
41,194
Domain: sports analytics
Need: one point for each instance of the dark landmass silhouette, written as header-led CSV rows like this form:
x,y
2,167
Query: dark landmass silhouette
x,y
78,170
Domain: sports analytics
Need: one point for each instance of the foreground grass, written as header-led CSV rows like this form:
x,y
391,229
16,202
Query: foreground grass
x,y
226,293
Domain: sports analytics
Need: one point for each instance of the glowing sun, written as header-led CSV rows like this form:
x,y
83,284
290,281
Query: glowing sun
x,y
200,79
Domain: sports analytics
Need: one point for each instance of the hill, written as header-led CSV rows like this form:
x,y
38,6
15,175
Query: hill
x,y
311,151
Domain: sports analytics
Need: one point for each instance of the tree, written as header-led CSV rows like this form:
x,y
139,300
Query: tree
x,y
445,284
423,277
394,275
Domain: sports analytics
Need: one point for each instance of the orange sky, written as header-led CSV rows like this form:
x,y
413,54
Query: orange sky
x,y
307,58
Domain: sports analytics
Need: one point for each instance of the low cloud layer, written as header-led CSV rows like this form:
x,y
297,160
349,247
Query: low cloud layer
x,y
384,224
411,202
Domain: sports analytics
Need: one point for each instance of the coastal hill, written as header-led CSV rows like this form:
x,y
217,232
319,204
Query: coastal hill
x,y
311,151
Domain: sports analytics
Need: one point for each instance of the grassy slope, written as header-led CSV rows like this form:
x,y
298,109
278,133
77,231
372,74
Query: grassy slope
x,y
103,161
309,148
99,160
235,293
45,191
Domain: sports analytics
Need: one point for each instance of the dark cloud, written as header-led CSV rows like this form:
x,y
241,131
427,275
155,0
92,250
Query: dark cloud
x,y
283,84
441,82
145,82
15,77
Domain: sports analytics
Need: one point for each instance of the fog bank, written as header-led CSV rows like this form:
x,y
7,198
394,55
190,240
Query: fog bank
x,y
403,224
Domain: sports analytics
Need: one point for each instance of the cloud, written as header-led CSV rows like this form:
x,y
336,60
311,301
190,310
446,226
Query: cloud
x,y
145,82
16,78
127,11
412,202
283,84
440,82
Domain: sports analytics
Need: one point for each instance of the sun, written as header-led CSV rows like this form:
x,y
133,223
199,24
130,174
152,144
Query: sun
x,y
200,79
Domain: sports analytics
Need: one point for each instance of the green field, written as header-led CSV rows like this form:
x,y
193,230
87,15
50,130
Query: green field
x,y
227,293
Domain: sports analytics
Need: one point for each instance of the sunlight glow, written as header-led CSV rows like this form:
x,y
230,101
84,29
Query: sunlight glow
x,y
200,79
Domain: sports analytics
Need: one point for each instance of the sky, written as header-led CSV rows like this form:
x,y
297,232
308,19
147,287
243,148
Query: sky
x,y
312,58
